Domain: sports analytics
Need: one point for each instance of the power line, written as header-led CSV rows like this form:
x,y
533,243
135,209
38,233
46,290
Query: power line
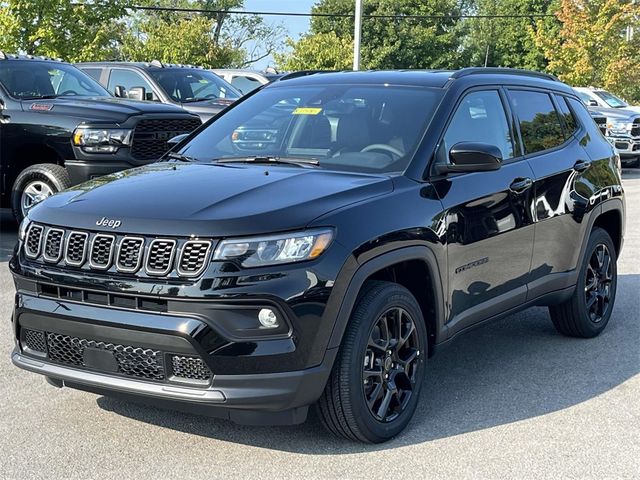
x,y
317,14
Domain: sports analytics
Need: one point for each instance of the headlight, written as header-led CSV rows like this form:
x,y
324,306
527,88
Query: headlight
x,y
24,226
101,140
275,249
619,127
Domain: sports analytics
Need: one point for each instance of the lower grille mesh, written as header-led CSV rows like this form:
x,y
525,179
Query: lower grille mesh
x,y
35,341
192,368
132,361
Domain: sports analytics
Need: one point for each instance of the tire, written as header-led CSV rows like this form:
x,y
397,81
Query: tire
x,y
574,317
46,175
343,407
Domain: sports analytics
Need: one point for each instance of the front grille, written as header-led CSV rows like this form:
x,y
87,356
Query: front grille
x,y
101,251
635,129
76,250
160,257
34,241
130,254
131,361
193,258
190,368
150,136
53,245
602,124
115,253
115,359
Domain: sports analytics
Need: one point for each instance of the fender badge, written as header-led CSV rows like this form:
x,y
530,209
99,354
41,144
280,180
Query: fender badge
x,y
41,107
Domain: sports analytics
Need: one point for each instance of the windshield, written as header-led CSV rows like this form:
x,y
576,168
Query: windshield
x,y
345,127
611,99
31,79
186,85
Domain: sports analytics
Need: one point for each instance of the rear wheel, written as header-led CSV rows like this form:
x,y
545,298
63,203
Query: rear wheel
x,y
35,184
374,387
587,312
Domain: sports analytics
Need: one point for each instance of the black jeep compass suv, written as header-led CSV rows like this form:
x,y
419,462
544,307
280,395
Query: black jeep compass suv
x,y
319,241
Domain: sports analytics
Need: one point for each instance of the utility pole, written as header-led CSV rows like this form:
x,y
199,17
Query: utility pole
x,y
357,35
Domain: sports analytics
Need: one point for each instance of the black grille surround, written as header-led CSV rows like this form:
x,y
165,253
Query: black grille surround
x,y
118,253
151,136
126,360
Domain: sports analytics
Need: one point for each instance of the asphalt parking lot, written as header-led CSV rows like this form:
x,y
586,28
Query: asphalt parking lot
x,y
513,400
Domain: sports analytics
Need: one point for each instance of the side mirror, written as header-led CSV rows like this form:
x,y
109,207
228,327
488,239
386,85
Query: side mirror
x,y
593,103
120,92
472,157
137,93
177,139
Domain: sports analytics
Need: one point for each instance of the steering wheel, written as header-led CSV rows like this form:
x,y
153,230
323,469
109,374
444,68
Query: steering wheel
x,y
68,92
384,147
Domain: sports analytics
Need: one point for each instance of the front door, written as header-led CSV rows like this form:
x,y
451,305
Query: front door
x,y
489,223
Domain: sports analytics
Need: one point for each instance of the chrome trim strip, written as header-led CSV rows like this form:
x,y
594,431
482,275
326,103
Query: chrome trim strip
x,y
173,392
62,245
207,258
84,249
93,241
171,260
140,255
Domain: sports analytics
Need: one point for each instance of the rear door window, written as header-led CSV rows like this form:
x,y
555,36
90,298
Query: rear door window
x,y
539,121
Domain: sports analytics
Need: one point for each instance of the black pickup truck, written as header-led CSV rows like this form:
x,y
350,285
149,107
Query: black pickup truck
x,y
59,127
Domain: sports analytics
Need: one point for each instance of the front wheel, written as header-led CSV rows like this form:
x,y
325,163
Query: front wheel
x,y
587,312
373,390
35,184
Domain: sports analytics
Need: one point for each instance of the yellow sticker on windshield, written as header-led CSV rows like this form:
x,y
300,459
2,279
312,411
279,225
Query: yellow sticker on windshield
x,y
307,111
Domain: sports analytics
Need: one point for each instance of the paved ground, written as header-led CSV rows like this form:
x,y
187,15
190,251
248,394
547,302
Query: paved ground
x,y
513,400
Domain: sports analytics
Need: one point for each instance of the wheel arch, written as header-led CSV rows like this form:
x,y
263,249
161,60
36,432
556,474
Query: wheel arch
x,y
402,266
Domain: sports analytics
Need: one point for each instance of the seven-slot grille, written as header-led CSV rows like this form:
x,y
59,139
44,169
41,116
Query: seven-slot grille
x,y
122,253
129,360
150,136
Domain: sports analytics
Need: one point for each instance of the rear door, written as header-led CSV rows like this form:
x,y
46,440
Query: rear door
x,y
489,225
564,185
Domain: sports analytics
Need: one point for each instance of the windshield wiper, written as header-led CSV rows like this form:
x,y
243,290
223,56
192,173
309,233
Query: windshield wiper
x,y
181,157
300,162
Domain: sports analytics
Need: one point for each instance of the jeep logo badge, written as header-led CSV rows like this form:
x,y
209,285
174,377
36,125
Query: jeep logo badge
x,y
105,222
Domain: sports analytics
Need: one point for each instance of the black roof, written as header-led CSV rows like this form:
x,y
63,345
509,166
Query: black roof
x,y
430,78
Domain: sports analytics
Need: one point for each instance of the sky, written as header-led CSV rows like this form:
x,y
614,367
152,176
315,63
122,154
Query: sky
x,y
294,25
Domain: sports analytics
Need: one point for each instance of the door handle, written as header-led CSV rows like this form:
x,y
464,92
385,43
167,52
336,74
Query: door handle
x,y
581,165
519,185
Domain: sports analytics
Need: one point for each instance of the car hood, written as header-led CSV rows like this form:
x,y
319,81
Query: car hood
x,y
98,108
622,114
207,108
208,199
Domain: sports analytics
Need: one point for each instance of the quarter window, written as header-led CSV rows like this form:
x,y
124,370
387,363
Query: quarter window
x,y
540,125
481,118
570,122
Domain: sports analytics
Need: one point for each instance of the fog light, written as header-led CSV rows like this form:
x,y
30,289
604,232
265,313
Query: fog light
x,y
268,318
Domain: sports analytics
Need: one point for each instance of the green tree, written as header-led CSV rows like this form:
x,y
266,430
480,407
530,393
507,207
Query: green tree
x,y
388,42
214,39
58,28
320,51
507,42
590,47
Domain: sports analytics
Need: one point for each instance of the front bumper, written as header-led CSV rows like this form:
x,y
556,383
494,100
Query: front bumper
x,y
626,147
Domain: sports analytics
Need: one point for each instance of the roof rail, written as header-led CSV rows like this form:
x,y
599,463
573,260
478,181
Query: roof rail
x,y
303,73
464,72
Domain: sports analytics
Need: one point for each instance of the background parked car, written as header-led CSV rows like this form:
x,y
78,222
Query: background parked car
x,y
195,89
621,125
59,127
246,80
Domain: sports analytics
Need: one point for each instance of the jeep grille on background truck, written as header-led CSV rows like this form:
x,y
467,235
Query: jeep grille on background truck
x,y
119,253
151,136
